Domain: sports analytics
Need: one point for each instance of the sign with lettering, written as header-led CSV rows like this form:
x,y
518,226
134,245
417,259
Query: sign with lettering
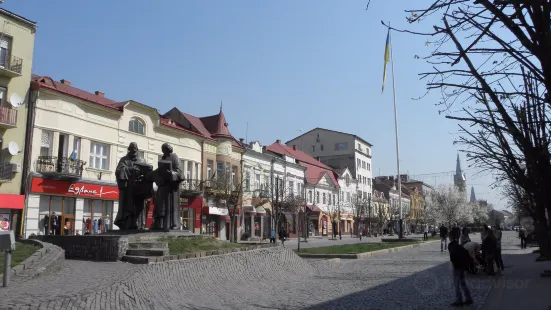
x,y
79,189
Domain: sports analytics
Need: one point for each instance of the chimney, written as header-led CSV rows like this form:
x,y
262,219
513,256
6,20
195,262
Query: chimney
x,y
241,140
100,94
278,141
264,149
294,147
65,82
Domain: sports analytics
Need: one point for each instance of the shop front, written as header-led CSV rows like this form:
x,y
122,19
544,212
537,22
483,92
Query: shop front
x,y
11,207
56,207
215,221
191,213
313,216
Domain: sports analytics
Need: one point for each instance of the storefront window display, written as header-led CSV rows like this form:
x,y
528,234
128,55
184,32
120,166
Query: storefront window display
x,y
97,216
258,226
57,215
188,219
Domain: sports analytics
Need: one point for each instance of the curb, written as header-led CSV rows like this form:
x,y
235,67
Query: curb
x,y
186,256
46,260
365,254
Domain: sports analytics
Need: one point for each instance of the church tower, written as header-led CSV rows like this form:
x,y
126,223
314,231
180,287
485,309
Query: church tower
x,y
459,179
473,197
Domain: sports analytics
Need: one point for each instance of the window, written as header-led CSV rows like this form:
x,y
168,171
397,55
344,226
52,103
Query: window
x,y
247,181
365,180
317,197
3,93
342,196
228,170
46,141
257,181
219,170
189,171
367,151
334,200
313,148
329,202
368,166
196,175
5,43
358,163
347,197
137,126
99,156
343,146
324,198
359,147
97,216
363,164
347,180
369,181
210,163
188,219
310,196
234,174
321,147
365,195
56,215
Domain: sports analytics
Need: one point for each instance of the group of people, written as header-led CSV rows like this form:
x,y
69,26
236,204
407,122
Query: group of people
x,y
469,256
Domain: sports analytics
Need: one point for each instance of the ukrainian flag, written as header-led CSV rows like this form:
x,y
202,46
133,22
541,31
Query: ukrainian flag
x,y
387,58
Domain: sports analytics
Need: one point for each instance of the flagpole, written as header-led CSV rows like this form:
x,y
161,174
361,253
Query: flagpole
x,y
401,229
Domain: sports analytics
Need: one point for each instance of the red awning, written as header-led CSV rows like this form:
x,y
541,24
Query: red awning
x,y
313,208
10,201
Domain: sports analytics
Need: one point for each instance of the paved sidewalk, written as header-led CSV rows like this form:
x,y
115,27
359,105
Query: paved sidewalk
x,y
520,286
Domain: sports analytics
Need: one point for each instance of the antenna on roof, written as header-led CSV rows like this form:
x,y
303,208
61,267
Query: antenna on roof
x,y
247,134
220,106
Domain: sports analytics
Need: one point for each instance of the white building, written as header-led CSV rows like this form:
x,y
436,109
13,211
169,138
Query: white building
x,y
340,150
321,188
262,171
350,204
76,141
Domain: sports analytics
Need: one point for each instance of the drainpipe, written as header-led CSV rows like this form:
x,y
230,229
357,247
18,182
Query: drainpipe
x,y
34,91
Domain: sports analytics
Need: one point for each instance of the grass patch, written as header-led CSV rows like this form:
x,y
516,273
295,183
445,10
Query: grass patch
x,y
191,245
21,253
354,248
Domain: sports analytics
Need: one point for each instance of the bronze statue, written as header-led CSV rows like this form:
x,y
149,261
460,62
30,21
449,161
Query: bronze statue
x,y
134,179
168,177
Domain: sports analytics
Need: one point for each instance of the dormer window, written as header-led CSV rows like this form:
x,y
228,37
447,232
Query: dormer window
x,y
137,126
347,179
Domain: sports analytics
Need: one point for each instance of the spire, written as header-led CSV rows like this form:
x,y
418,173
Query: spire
x,y
458,166
220,106
473,197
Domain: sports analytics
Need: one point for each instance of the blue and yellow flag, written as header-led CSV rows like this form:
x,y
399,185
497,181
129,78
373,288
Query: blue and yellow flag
x,y
387,58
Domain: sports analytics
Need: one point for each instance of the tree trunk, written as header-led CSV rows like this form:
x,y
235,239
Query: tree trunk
x,y
542,234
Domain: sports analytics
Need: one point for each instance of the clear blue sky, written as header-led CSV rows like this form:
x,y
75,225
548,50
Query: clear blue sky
x,y
278,65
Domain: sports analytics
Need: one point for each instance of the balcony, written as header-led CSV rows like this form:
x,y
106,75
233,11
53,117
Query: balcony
x,y
8,117
6,173
61,167
11,66
191,187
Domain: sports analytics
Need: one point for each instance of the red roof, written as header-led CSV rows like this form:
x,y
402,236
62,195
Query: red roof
x,y
315,170
49,83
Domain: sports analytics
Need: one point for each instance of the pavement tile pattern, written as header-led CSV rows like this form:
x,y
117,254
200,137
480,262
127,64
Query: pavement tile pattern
x,y
273,278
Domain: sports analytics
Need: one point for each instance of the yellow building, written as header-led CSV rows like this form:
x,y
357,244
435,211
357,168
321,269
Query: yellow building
x,y
16,54
415,216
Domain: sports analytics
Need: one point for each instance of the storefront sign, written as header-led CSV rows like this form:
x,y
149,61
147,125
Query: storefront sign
x,y
86,190
4,222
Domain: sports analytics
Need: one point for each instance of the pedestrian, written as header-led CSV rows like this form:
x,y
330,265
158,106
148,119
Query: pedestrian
x,y
272,236
483,233
460,259
426,233
443,238
489,249
499,260
464,238
522,236
282,236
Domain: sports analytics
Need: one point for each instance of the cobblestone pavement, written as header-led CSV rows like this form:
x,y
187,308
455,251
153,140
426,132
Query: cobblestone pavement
x,y
274,278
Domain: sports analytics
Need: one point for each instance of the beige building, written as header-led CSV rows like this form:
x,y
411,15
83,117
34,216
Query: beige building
x,y
77,140
17,36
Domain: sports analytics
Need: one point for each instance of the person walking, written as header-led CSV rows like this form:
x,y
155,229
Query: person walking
x,y
460,259
443,238
426,233
499,260
522,236
489,249
464,238
282,236
272,236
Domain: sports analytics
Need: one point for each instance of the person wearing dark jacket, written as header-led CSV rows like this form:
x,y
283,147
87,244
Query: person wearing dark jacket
x,y
489,245
443,238
460,259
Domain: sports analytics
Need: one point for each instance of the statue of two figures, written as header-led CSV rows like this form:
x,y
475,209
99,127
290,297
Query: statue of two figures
x,y
135,181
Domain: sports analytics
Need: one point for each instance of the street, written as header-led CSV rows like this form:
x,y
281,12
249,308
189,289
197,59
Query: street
x,y
418,278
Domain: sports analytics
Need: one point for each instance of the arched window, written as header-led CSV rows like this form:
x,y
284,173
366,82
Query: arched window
x,y
137,126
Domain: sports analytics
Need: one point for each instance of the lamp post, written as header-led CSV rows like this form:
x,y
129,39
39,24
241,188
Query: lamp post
x,y
369,219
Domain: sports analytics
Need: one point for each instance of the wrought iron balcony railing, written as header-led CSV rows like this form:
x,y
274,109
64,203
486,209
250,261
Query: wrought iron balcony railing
x,y
13,64
6,170
8,116
62,166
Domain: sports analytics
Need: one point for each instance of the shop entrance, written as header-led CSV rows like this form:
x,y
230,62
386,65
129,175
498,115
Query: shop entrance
x,y
57,215
97,216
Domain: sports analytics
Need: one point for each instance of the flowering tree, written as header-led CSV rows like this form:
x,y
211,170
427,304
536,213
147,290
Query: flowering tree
x,y
448,205
479,213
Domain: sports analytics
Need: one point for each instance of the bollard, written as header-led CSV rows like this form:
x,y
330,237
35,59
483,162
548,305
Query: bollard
x,y
7,263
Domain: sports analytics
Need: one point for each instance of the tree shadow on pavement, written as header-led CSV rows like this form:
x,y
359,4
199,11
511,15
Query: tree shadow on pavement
x,y
433,288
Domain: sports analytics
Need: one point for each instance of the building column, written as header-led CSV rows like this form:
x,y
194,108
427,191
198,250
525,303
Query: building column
x,y
79,215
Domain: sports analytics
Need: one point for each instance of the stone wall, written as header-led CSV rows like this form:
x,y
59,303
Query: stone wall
x,y
96,248
48,259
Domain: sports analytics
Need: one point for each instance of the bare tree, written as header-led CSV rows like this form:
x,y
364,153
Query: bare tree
x,y
491,64
358,205
333,211
227,191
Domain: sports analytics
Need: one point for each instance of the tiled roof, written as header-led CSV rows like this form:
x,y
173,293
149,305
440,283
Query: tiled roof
x,y
196,122
49,83
217,125
315,170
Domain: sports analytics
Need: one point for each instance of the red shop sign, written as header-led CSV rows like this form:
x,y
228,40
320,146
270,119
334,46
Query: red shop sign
x,y
39,185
